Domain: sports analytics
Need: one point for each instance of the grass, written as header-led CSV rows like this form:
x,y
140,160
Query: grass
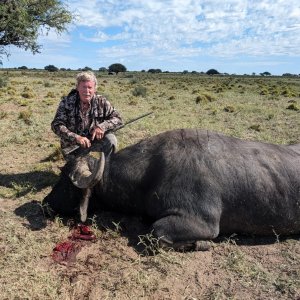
x,y
115,267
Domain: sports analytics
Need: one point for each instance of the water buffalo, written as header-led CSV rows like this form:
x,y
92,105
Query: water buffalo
x,y
193,184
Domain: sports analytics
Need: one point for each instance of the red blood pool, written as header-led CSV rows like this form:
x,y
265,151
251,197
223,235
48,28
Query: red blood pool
x,y
67,250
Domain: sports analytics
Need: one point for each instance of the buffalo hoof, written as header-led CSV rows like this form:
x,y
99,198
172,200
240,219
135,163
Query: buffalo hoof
x,y
202,245
185,245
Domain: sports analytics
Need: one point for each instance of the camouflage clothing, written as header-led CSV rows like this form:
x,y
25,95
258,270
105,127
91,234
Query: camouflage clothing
x,y
69,121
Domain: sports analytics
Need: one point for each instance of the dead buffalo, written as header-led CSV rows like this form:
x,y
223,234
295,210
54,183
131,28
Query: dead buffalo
x,y
194,185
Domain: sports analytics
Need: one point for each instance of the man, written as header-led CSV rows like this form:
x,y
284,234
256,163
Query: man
x,y
84,117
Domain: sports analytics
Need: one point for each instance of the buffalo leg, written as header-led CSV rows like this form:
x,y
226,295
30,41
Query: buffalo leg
x,y
184,233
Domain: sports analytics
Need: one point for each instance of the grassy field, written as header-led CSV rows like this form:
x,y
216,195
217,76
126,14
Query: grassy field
x,y
115,266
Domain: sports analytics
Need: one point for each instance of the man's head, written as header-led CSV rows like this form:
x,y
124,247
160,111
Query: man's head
x,y
86,86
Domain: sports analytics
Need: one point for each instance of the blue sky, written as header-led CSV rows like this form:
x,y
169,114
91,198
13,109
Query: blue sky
x,y
232,36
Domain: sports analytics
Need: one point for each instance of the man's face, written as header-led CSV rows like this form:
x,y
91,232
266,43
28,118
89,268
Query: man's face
x,y
86,90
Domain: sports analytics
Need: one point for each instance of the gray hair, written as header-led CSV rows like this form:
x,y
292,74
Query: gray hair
x,y
86,76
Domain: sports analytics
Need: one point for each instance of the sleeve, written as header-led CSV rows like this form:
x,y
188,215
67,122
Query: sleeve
x,y
111,118
60,121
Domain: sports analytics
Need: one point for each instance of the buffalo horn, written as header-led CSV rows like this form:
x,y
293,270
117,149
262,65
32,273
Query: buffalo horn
x,y
88,171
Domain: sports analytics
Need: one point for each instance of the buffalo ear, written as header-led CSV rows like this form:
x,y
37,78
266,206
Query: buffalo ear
x,y
87,170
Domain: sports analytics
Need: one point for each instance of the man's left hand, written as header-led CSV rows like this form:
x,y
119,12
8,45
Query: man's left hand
x,y
97,133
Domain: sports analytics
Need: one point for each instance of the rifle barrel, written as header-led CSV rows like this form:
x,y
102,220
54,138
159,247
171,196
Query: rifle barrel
x,y
71,149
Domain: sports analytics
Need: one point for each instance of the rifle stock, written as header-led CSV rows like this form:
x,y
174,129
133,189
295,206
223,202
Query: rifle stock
x,y
69,150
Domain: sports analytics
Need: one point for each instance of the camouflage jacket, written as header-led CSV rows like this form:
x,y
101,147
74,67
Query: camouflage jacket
x,y
68,123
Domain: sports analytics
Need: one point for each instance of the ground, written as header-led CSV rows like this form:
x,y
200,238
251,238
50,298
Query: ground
x,y
124,261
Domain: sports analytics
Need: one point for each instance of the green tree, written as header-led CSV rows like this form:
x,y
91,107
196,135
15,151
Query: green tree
x,y
102,69
51,68
265,74
86,69
212,72
117,68
21,21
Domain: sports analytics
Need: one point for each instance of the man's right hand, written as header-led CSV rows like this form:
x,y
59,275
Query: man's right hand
x,y
83,141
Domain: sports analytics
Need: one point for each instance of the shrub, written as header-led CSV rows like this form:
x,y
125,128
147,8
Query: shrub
x,y
133,81
132,102
229,109
25,115
255,127
3,82
3,114
49,84
51,95
27,95
23,102
139,91
293,106
205,98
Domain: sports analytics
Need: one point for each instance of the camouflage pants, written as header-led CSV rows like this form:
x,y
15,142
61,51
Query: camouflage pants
x,y
107,145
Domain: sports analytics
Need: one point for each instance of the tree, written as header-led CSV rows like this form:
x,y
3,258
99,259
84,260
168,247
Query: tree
x,y
212,72
21,21
87,69
102,69
265,74
117,68
51,68
154,71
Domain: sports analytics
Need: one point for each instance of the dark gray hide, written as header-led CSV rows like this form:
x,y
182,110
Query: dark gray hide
x,y
196,184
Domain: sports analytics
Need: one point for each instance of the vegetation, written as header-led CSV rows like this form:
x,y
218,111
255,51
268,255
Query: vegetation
x,y
103,69
154,71
22,20
51,68
212,72
117,68
121,264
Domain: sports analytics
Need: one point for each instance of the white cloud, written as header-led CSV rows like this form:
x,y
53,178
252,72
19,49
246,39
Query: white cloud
x,y
52,36
172,24
179,30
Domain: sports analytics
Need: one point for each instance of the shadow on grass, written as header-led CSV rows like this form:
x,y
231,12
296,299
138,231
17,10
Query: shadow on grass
x,y
24,183
128,226
34,214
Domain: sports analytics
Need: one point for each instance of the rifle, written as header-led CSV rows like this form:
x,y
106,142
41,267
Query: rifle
x,y
71,149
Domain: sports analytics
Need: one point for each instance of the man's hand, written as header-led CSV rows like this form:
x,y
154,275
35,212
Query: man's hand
x,y
83,141
97,133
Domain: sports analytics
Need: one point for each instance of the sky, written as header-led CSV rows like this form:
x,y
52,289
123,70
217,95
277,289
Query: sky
x,y
231,36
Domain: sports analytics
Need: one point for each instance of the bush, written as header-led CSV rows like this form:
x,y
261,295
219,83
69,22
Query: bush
x,y
50,95
3,82
293,106
229,109
51,68
139,91
27,95
25,115
205,98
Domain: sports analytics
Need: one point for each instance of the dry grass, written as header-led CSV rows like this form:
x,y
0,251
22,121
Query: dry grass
x,y
120,264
